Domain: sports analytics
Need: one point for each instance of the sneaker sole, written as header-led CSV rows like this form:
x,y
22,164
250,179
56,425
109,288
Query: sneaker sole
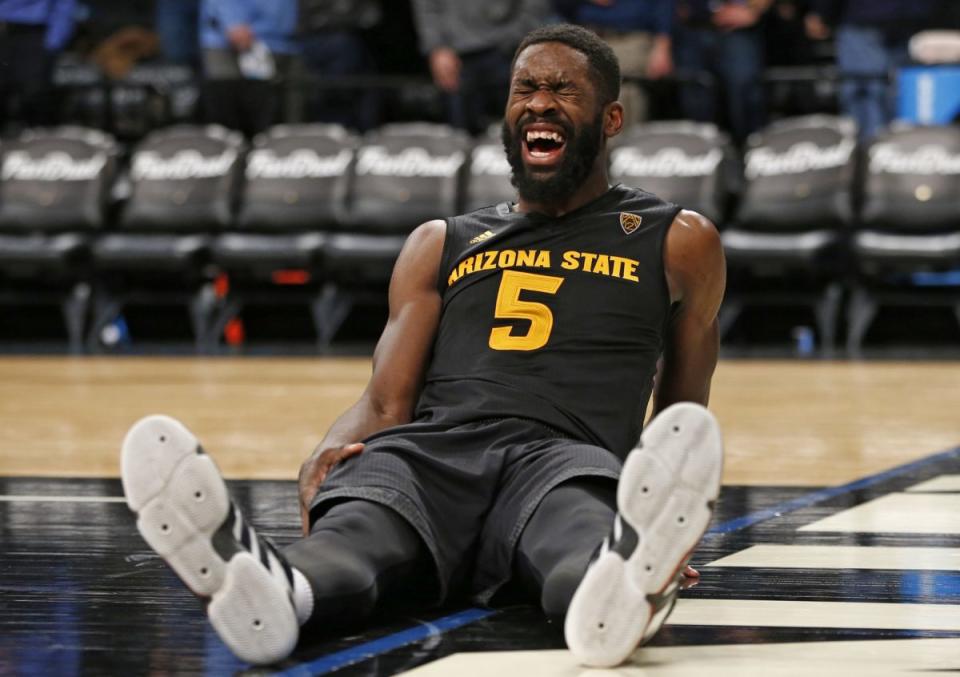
x,y
181,501
666,491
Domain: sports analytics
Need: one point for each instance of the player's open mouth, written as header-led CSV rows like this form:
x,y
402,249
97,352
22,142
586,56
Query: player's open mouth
x,y
542,146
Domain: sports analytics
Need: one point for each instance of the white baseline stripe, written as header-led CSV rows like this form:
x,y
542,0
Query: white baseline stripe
x,y
941,483
788,614
897,514
6,498
843,557
851,659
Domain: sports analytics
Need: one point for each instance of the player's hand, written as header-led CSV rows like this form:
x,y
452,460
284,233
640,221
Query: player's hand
x,y
240,37
445,68
690,572
315,470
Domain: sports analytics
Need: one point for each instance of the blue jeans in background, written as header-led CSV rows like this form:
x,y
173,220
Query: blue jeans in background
x,y
866,56
176,23
338,54
736,60
484,85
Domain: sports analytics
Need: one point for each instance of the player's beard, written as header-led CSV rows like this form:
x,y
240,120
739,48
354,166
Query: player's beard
x,y
582,147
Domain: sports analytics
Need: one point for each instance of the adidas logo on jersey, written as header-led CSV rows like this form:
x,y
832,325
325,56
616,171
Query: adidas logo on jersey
x,y
485,235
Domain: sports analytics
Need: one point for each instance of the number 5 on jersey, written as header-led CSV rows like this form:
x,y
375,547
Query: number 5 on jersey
x,y
510,307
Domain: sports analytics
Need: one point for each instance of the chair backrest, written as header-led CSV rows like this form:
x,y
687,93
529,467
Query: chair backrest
x,y
406,174
683,162
912,180
488,176
799,175
177,86
55,179
296,178
184,178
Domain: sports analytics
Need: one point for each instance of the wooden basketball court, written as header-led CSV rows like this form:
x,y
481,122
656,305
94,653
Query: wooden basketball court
x,y
836,545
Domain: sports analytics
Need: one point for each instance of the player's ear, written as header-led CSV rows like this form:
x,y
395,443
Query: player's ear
x,y
612,119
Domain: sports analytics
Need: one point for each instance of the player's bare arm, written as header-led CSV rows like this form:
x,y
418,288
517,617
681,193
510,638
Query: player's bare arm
x,y
399,361
696,275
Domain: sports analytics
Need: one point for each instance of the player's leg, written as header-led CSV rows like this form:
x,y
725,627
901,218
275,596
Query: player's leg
x,y
185,514
257,599
357,553
664,501
562,535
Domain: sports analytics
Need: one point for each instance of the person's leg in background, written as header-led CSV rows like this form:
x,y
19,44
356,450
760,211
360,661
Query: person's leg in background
x,y
338,54
633,51
741,63
247,105
898,56
267,102
693,53
484,83
864,65
25,79
176,23
221,88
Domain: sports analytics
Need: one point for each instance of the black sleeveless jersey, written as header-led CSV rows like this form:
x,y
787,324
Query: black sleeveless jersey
x,y
559,320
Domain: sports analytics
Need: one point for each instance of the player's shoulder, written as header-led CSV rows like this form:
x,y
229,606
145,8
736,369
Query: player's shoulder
x,y
639,201
480,224
693,241
494,212
427,232
696,226
633,194
454,233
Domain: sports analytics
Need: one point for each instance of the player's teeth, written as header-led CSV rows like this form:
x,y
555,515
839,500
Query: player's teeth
x,y
553,136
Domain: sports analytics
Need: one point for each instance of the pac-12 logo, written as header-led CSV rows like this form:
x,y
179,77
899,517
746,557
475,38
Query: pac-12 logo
x,y
630,222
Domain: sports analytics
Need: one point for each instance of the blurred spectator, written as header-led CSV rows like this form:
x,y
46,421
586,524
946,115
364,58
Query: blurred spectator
x,y
332,47
118,54
639,33
788,46
947,16
941,44
32,33
787,43
176,23
723,38
248,46
470,46
871,42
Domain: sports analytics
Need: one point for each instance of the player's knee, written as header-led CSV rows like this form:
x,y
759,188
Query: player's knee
x,y
350,576
558,588
343,585
348,591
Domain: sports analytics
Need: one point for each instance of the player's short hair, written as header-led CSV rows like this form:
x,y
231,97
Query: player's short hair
x,y
602,60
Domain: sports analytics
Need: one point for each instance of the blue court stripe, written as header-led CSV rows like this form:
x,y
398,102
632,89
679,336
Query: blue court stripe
x,y
367,650
824,494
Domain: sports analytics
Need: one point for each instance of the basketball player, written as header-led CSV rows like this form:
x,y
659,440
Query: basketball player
x,y
508,390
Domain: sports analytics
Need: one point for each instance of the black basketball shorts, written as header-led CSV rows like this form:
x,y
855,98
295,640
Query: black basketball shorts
x,y
467,489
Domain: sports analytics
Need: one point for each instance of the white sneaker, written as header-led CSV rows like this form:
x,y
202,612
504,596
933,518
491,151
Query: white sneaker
x,y
665,498
185,514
